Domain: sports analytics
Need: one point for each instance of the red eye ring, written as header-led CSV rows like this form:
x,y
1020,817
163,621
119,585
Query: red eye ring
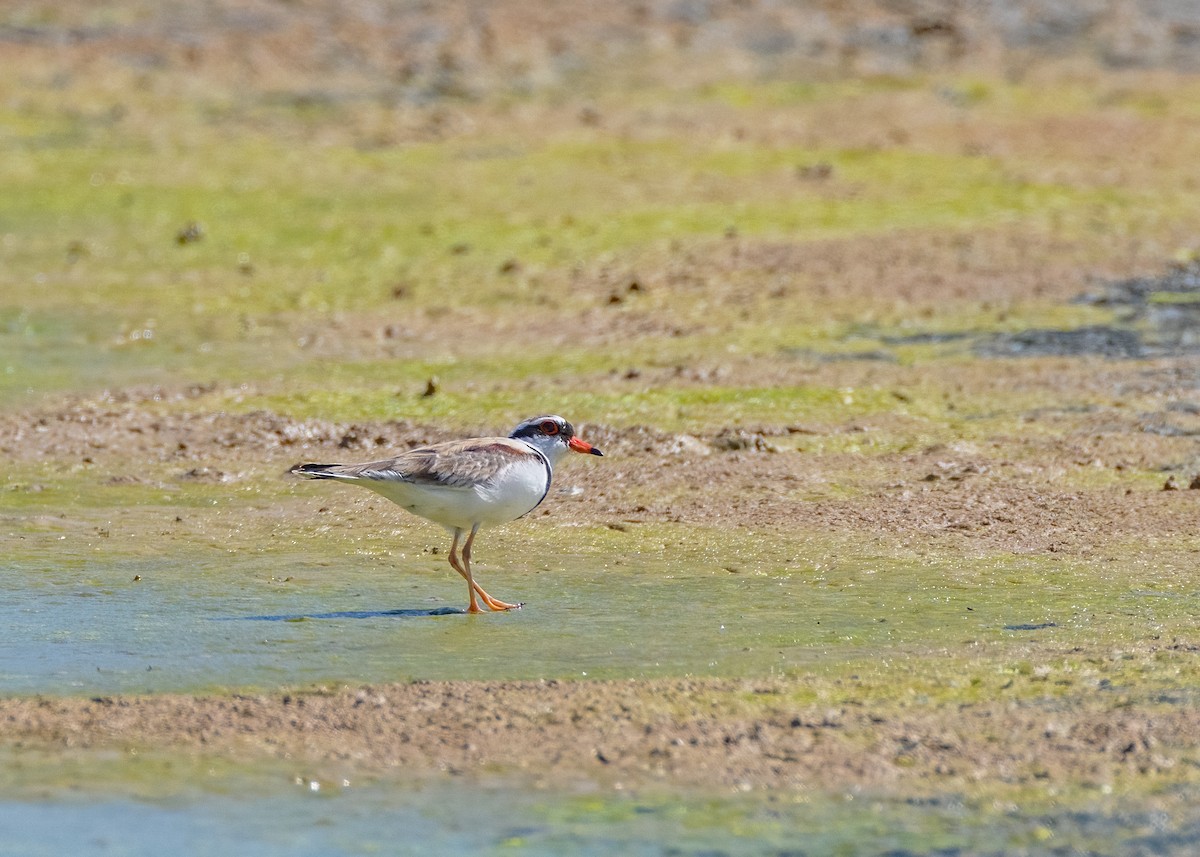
x,y
549,427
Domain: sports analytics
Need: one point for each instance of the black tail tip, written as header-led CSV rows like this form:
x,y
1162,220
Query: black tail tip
x,y
314,471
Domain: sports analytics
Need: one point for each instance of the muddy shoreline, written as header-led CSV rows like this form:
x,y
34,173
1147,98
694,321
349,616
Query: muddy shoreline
x,y
1059,488
987,431
697,734
693,733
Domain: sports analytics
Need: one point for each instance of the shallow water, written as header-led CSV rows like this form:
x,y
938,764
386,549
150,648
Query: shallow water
x,y
191,810
140,604
198,618
190,623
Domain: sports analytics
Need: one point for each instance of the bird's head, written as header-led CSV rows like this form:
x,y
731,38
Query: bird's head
x,y
553,436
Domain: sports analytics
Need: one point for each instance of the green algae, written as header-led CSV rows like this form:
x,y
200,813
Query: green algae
x,y
89,801
161,582
669,408
290,231
135,601
714,601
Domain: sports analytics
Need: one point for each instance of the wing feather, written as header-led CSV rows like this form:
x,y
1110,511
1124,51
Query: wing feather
x,y
457,464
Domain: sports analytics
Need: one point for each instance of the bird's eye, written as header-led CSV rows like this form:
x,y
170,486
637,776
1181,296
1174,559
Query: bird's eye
x,y
549,427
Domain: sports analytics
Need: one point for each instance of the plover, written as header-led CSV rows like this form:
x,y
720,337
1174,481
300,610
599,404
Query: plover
x,y
468,484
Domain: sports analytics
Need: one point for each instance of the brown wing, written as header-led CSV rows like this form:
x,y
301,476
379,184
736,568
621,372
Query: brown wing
x,y
459,464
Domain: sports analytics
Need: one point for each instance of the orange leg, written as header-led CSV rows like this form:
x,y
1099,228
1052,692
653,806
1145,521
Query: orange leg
x,y
472,604
492,603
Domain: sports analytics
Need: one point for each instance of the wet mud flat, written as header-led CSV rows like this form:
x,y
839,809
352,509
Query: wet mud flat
x,y
900,350
1093,726
686,733
956,501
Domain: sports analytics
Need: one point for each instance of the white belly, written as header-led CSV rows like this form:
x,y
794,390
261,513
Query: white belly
x,y
513,493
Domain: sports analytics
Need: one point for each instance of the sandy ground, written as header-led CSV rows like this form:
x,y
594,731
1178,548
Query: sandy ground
x,y
1049,480
680,732
1013,492
1018,494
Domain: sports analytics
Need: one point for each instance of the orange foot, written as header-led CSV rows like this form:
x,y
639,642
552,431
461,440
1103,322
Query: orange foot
x,y
495,603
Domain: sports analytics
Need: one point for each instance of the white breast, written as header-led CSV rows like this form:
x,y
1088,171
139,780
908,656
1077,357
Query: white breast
x,y
513,492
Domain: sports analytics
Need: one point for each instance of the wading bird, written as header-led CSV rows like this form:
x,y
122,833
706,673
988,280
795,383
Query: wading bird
x,y
468,484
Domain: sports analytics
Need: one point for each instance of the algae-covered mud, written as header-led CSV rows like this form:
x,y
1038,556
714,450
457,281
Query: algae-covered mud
x,y
884,318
